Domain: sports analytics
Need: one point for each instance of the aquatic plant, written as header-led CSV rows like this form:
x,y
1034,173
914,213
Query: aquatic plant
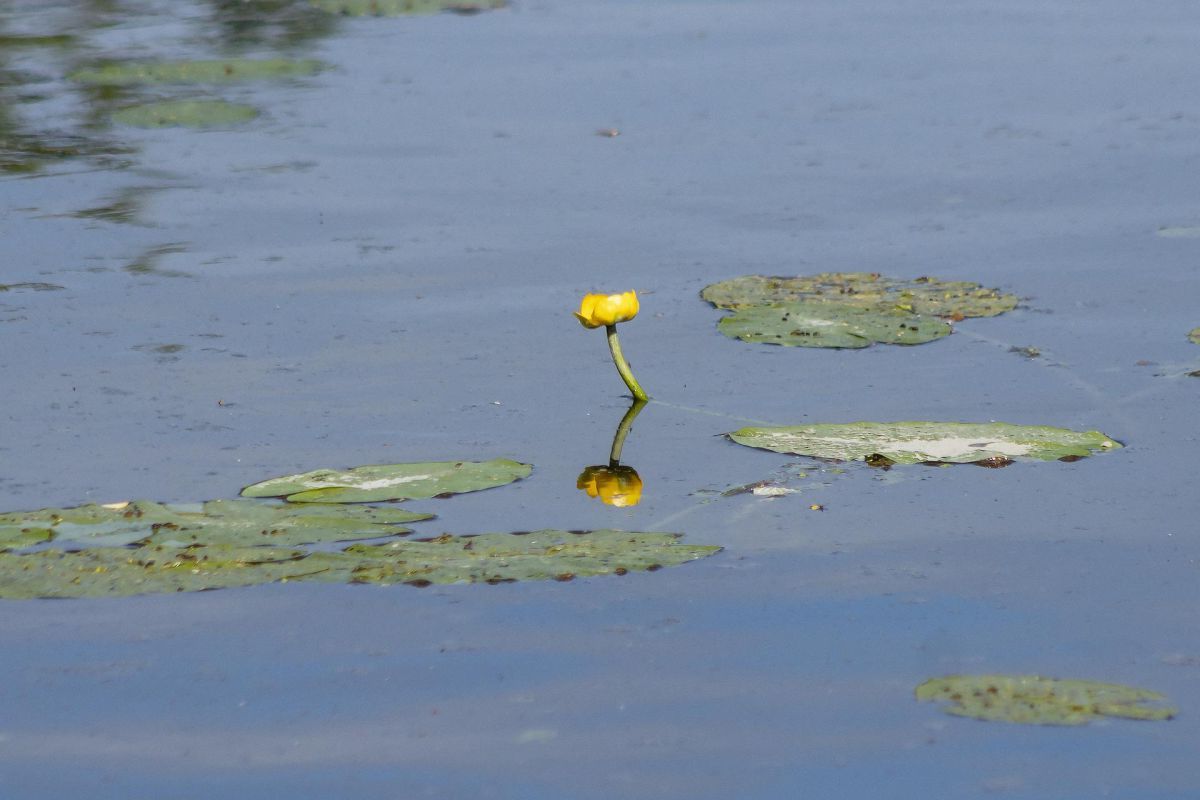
x,y
1034,700
607,311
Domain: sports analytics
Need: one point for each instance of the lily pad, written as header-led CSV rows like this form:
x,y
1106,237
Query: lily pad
x,y
398,8
816,324
507,557
217,522
121,572
1194,335
866,290
1034,700
125,73
487,558
991,443
185,113
381,482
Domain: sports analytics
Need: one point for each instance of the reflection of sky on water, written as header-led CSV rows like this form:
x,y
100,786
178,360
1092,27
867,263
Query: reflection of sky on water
x,y
382,268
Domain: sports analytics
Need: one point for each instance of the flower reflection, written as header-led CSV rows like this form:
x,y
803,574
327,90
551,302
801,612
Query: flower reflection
x,y
613,485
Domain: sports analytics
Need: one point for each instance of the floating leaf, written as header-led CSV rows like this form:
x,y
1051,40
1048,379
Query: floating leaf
x,y
991,443
1033,700
506,557
224,522
124,73
185,113
381,482
814,324
866,290
31,287
487,558
1194,335
397,8
120,572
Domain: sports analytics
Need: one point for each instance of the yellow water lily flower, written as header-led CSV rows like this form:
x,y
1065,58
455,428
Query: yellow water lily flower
x,y
599,310
615,486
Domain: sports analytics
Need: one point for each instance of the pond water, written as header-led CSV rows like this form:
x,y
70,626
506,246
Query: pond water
x,y
381,267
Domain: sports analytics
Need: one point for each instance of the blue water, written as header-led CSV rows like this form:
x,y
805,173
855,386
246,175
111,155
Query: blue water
x,y
382,267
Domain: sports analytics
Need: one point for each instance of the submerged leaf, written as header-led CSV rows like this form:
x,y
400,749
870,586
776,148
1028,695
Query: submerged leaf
x,y
120,572
992,443
1194,335
32,287
1034,700
224,522
396,8
123,73
380,482
866,290
506,557
185,113
814,324
1180,232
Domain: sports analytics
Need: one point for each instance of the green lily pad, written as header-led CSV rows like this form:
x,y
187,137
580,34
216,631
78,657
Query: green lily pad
x,y
866,290
376,483
1033,700
487,558
507,557
125,73
398,8
991,443
120,572
217,522
815,324
185,113
1194,335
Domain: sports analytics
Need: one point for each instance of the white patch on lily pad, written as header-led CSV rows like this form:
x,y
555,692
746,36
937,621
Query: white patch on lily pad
x,y
992,443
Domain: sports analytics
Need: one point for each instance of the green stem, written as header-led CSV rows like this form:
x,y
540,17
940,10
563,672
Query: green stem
x,y
614,347
614,455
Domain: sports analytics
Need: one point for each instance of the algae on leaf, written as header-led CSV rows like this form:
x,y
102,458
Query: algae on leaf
x,y
814,324
124,73
507,557
866,290
380,482
397,8
218,522
992,443
185,113
1034,700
